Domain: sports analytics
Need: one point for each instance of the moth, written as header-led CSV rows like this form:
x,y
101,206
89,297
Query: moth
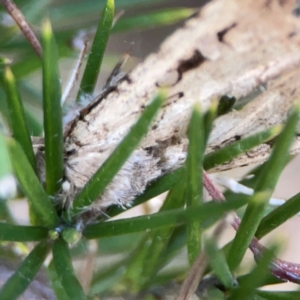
x,y
246,49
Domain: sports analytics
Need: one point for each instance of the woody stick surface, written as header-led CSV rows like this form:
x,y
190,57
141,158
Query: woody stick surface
x,y
240,48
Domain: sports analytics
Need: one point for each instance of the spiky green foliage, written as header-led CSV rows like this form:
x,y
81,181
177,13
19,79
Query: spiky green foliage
x,y
148,245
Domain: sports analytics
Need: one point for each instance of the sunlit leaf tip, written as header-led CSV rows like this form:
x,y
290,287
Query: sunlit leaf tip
x,y
53,234
274,131
47,29
71,235
5,61
8,74
110,4
261,197
213,107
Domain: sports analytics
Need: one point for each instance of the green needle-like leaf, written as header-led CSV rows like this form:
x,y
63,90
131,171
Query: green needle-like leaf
x,y
153,19
280,154
26,66
154,221
64,269
105,278
31,186
5,213
76,10
218,263
259,273
95,58
278,216
209,118
176,242
244,234
160,237
52,111
17,120
25,273
5,164
278,295
134,265
34,125
194,185
16,115
232,150
18,233
56,283
268,280
266,183
112,165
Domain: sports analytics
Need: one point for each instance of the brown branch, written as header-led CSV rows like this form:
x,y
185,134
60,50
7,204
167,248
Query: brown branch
x,y
20,20
212,189
191,282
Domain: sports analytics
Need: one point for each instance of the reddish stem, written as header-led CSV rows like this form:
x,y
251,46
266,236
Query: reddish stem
x,y
20,20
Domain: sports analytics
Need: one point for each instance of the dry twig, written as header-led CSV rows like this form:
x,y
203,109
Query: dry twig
x,y
20,20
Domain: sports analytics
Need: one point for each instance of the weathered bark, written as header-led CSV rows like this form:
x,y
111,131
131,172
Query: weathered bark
x,y
231,47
